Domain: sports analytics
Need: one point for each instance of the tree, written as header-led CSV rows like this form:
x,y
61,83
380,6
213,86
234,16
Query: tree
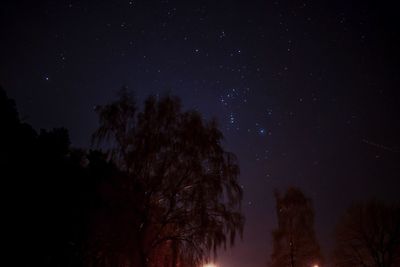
x,y
368,235
294,242
46,191
181,183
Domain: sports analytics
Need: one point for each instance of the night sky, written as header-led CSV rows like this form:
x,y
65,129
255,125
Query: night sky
x,y
305,92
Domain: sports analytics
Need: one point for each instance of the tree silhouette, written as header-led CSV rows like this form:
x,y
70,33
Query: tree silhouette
x,y
112,218
47,191
181,184
368,235
294,242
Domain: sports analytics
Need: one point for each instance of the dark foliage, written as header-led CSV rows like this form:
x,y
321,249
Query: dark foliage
x,y
47,193
294,242
166,193
368,235
180,193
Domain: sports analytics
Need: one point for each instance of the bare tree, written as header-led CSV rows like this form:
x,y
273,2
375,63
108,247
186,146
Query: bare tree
x,y
368,235
294,242
189,197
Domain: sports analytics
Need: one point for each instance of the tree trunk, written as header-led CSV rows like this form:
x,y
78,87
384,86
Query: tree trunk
x,y
143,259
174,254
291,255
